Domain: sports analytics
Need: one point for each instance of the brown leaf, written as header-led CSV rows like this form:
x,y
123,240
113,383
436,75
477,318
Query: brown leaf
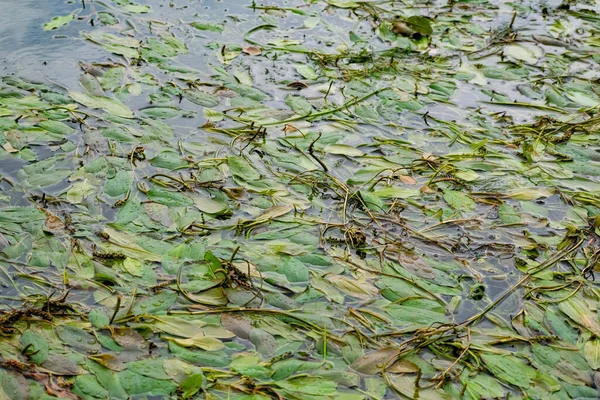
x,y
61,365
54,224
236,324
404,367
252,50
374,362
297,85
289,128
409,180
54,389
129,339
400,28
9,148
235,193
109,361
429,156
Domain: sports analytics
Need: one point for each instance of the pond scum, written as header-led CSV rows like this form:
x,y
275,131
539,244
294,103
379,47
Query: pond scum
x,y
347,200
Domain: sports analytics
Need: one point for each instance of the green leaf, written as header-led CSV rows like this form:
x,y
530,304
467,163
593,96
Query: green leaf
x,y
21,215
406,316
56,127
119,184
298,104
87,386
192,385
395,193
241,168
108,379
201,98
306,71
164,112
500,74
248,91
343,149
420,24
61,365
208,26
60,21
139,384
138,8
77,338
591,351
179,326
509,369
307,386
169,159
207,343
286,368
98,318
155,304
209,206
459,201
481,386
520,53
508,214
293,269
576,309
112,106
13,386
36,345
152,368
168,198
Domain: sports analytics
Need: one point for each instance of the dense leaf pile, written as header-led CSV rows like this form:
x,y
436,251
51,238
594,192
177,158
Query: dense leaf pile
x,y
347,200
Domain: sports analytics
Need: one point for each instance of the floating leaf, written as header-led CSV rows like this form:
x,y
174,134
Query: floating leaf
x,y
508,215
343,149
306,71
36,345
119,184
111,106
591,351
376,361
242,168
509,369
208,26
299,105
420,24
459,201
168,198
202,342
252,50
78,338
58,22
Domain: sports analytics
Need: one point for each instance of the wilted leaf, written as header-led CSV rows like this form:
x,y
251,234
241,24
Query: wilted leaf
x,y
376,361
252,50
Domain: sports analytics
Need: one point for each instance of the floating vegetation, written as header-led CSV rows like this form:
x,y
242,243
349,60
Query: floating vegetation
x,y
346,200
